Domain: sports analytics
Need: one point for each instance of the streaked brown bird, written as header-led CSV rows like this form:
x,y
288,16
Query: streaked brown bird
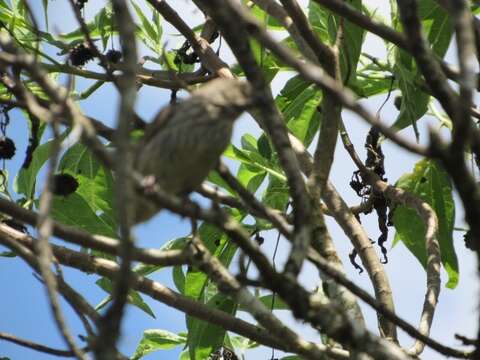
x,y
185,140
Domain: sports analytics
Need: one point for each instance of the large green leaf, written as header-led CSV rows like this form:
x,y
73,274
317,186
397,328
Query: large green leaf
x,y
157,339
204,337
267,300
277,193
326,24
430,182
265,60
255,160
95,181
149,34
91,207
142,270
24,182
174,244
374,77
269,21
438,30
103,21
133,298
298,102
75,211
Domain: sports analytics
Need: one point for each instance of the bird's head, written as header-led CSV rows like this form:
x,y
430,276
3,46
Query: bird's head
x,y
227,92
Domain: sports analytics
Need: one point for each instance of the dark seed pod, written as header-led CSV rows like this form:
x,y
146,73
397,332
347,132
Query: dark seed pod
x,y
15,225
470,241
80,3
113,56
259,239
7,148
64,184
397,102
80,55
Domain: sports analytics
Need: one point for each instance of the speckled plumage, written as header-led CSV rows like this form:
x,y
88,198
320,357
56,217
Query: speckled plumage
x,y
185,141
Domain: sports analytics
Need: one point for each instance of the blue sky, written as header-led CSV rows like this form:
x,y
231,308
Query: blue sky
x,y
25,310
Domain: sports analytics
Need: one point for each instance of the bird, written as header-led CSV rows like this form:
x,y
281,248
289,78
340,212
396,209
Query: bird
x,y
185,140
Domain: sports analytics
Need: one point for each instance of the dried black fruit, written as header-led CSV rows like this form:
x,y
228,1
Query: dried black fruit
x,y
33,141
80,55
397,102
80,3
64,184
7,148
185,55
229,354
470,242
113,56
214,36
352,256
16,225
259,239
374,162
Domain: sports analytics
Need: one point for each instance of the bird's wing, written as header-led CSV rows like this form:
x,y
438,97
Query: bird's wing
x,y
161,120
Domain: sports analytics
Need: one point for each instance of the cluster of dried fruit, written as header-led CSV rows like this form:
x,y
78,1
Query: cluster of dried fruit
x,y
64,184
374,162
81,54
7,148
80,3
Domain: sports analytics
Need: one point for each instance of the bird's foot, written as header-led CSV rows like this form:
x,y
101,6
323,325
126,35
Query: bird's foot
x,y
148,183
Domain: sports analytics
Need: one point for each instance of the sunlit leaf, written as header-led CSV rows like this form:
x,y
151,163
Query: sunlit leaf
x,y
157,339
430,182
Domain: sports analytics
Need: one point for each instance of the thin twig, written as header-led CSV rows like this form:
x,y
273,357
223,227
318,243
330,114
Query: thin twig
x,y
38,347
45,255
111,322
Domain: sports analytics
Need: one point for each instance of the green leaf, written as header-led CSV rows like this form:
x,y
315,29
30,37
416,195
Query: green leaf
x,y
277,194
326,25
250,177
24,182
174,244
102,25
267,301
148,33
265,60
319,19
8,254
431,183
104,17
45,12
255,160
298,102
270,22
203,337
240,342
437,27
157,339
95,181
75,211
179,278
414,101
134,297
91,207
367,85
373,78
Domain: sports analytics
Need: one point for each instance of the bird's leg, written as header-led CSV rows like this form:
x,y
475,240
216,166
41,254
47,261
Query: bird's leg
x,y
193,224
148,183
